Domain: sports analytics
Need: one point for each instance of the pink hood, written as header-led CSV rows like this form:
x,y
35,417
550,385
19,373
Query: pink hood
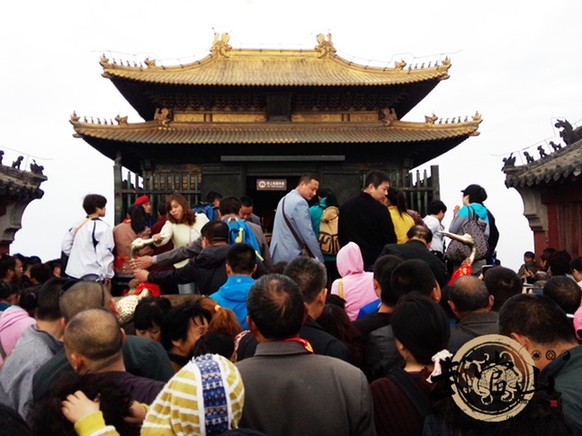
x,y
349,260
13,322
357,284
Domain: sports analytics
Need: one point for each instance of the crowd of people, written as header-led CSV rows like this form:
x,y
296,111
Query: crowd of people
x,y
341,321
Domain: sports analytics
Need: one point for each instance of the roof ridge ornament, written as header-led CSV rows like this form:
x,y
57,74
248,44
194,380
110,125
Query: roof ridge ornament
x,y
163,116
325,46
220,46
430,120
121,120
400,64
388,116
150,63
104,60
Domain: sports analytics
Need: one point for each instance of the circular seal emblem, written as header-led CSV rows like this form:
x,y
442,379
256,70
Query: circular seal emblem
x,y
494,379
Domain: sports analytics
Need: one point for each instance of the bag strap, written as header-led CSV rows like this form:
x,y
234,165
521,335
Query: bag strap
x,y
299,241
340,288
413,392
81,225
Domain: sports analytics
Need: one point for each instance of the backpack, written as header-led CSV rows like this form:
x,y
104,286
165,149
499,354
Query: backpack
x,y
240,232
328,231
208,210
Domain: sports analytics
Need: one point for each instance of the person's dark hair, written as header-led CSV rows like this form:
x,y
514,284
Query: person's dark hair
x,y
138,218
306,178
421,232
54,264
436,206
565,292
29,262
529,254
411,275
336,322
7,263
47,418
246,201
421,326
215,231
176,322
309,274
560,263
241,258
545,257
398,199
162,209
502,283
469,294
40,272
547,253
537,317
576,264
383,268
327,193
11,423
375,178
214,343
276,306
48,308
29,299
189,216
229,205
476,193
150,312
212,195
92,202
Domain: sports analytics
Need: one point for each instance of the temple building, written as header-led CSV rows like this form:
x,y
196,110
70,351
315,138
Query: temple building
x,y
251,121
551,189
18,187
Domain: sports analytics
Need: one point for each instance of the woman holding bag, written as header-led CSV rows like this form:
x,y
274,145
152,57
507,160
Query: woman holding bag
x,y
473,198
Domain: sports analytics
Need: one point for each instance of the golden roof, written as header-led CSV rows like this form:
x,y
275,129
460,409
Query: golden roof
x,y
321,66
163,132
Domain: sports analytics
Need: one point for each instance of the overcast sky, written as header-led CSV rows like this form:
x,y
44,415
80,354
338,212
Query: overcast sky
x,y
517,63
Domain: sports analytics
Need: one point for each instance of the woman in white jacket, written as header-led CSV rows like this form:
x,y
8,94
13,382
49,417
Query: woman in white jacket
x,y
183,226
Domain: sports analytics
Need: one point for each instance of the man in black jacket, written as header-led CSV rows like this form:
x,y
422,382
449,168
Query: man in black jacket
x,y
366,221
418,247
207,270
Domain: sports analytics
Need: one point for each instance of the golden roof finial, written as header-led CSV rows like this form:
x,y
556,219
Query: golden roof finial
x,y
325,46
74,117
431,119
150,63
121,120
220,46
388,116
104,60
400,64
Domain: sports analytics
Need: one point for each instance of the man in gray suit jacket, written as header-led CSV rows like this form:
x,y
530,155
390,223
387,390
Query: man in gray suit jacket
x,y
288,389
292,229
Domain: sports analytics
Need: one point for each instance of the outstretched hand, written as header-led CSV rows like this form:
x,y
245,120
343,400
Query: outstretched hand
x,y
77,406
143,262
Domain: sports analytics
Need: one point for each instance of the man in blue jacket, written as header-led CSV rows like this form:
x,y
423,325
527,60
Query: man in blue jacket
x,y
292,229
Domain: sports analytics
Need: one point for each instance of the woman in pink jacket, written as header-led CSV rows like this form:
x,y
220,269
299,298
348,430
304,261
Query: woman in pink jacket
x,y
355,286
